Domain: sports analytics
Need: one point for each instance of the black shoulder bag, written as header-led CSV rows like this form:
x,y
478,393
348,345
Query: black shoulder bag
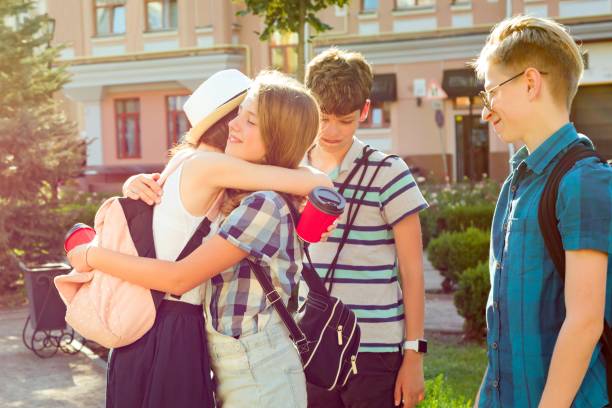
x,y
327,336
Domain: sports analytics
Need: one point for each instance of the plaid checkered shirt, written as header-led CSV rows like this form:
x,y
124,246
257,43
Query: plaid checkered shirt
x,y
261,226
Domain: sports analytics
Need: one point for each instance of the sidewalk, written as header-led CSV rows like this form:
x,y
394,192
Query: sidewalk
x,y
440,312
75,381
63,381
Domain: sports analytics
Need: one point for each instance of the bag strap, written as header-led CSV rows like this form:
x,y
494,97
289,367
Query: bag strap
x,y
297,335
310,277
354,206
363,161
547,219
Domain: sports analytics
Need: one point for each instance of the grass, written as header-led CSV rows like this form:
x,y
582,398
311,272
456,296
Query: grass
x,y
453,372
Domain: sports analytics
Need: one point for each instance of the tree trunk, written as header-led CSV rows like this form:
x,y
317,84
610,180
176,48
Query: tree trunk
x,y
301,41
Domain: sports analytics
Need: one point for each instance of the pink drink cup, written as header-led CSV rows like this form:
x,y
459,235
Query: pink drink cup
x,y
77,235
324,206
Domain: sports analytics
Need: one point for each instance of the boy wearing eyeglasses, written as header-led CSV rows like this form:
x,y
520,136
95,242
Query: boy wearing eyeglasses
x,y
543,332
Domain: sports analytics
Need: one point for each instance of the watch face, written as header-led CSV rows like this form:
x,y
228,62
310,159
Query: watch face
x,y
422,346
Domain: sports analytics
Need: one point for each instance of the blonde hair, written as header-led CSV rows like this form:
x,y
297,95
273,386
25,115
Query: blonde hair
x,y
340,80
288,121
524,41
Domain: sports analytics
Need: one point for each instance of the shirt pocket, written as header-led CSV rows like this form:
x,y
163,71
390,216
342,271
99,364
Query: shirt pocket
x,y
525,251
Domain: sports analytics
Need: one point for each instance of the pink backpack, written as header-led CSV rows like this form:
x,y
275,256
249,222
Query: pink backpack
x,y
101,307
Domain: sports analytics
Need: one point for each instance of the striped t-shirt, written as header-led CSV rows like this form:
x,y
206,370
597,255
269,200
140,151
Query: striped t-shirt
x,y
366,276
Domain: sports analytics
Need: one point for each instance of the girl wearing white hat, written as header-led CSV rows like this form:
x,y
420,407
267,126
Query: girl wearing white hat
x,y
253,357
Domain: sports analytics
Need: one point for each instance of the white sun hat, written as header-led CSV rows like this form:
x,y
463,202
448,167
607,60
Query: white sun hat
x,y
221,93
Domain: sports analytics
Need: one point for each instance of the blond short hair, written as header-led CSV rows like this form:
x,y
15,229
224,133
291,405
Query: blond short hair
x,y
340,80
521,42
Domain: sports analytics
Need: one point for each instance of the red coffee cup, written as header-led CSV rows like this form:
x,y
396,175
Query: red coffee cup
x,y
77,235
324,206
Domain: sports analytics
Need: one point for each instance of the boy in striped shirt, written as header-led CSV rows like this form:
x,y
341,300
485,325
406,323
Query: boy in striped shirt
x,y
379,271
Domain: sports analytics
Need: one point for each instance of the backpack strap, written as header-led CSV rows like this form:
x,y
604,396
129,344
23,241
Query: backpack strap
x,y
547,219
354,206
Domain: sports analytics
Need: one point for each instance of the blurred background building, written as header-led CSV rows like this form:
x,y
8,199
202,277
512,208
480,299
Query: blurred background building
x,y
135,61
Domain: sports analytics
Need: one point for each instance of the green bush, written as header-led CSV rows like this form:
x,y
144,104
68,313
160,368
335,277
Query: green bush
x,y
462,193
462,217
453,252
435,220
37,234
458,206
438,394
471,299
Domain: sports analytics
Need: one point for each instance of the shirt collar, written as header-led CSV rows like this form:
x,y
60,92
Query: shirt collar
x,y
351,155
541,157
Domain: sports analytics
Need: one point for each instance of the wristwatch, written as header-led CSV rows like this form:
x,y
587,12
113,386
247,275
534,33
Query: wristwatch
x,y
419,345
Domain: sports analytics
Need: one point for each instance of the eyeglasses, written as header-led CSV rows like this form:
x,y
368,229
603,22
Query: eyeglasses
x,y
487,95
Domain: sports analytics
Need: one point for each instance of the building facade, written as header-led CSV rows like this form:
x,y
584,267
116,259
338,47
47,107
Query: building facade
x,y
134,62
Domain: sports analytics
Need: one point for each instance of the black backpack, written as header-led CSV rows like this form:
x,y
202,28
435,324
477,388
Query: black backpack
x,y
547,218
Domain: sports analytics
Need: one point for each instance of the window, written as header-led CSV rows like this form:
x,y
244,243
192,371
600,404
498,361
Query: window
x,y
162,14
283,52
379,116
178,124
110,17
369,6
127,120
404,4
463,102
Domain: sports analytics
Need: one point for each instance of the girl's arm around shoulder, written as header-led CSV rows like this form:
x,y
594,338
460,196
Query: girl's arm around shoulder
x,y
223,171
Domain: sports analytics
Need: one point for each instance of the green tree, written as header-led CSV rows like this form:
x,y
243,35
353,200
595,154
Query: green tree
x,y
39,146
291,16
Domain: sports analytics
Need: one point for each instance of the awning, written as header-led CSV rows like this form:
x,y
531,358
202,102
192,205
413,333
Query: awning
x,y
384,88
461,82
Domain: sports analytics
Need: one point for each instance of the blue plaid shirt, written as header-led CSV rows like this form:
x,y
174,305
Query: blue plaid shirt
x,y
261,226
526,307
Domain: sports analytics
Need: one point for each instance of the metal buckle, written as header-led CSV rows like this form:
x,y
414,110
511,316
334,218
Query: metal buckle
x,y
302,345
273,296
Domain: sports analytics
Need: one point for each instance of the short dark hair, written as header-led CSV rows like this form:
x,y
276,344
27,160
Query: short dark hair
x,y
340,80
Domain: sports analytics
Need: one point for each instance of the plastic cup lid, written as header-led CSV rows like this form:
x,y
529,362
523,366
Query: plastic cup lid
x,y
327,200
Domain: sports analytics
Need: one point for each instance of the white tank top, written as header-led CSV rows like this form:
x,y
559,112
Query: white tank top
x,y
173,226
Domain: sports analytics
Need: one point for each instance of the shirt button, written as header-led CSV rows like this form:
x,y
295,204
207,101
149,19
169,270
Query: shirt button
x,y
513,189
495,383
495,304
494,346
497,265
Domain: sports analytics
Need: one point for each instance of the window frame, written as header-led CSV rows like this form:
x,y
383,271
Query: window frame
x,y
120,129
112,6
170,133
368,124
165,16
417,4
370,10
286,48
